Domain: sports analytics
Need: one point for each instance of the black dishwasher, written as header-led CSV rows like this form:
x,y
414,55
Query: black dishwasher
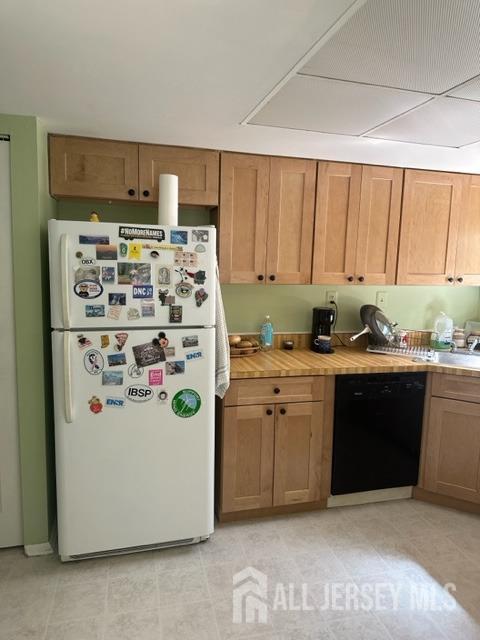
x,y
377,431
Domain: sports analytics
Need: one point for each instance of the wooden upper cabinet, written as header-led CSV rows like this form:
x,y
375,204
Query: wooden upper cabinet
x,y
356,224
336,222
432,204
298,452
467,263
243,215
290,220
92,168
197,171
247,457
452,449
378,225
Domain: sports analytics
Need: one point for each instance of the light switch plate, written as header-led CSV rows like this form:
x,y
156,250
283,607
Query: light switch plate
x,y
381,300
332,296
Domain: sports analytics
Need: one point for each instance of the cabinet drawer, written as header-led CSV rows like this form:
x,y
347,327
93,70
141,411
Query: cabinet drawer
x,y
465,388
268,390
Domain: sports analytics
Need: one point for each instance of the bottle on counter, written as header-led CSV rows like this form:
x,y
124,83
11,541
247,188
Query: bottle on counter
x,y
442,332
266,334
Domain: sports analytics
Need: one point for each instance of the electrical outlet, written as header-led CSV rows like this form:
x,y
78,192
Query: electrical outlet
x,y
332,296
381,300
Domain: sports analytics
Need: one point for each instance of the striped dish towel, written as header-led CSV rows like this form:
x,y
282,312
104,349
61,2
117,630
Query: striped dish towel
x,y
222,348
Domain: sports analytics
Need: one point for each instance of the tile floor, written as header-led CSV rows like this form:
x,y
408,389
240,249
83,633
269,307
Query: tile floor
x,y
186,594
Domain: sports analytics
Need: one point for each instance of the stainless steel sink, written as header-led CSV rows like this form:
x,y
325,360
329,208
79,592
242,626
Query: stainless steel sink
x,y
470,359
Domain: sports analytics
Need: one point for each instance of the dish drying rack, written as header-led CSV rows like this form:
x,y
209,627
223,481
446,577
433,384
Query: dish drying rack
x,y
420,352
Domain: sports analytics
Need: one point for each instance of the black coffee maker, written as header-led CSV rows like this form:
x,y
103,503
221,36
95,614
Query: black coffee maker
x,y
322,323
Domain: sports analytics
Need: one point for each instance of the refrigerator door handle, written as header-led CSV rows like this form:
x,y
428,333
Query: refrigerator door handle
x,y
67,377
65,283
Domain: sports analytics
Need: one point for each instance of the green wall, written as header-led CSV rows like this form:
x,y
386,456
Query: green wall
x,y
290,306
116,212
31,207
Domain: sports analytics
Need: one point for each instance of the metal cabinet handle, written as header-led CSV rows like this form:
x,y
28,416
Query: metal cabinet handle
x,y
283,411
260,277
350,278
450,279
460,279
269,412
272,277
361,278
131,192
146,193
276,390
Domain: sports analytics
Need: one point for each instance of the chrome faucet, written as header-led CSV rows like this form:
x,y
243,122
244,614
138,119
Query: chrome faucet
x,y
472,345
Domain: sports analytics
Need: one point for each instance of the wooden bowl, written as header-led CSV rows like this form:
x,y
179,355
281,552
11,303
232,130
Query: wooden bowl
x,y
241,352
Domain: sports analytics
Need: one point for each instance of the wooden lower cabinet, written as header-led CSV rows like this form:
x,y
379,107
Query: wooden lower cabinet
x,y
247,457
298,452
272,457
452,449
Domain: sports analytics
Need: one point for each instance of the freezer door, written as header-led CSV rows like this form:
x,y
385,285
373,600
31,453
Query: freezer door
x,y
108,275
134,436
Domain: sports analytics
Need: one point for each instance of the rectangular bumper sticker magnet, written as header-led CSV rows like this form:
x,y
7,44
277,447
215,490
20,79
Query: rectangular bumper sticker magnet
x,y
175,314
94,240
142,291
112,378
94,310
116,359
114,312
112,402
135,251
134,273
148,354
189,341
144,233
155,377
194,355
108,275
174,367
106,251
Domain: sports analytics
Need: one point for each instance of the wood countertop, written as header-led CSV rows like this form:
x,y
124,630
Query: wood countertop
x,y
303,362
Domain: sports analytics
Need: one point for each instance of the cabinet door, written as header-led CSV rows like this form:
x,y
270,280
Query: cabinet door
x,y
243,217
432,203
197,171
90,168
290,221
247,458
467,265
298,450
379,223
336,223
452,454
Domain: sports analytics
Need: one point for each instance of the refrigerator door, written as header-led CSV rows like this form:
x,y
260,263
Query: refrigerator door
x,y
134,435
108,275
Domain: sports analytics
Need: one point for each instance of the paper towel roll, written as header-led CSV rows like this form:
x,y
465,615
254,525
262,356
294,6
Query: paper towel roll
x,y
168,199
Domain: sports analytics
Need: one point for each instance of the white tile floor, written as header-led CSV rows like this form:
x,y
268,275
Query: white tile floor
x,y
186,594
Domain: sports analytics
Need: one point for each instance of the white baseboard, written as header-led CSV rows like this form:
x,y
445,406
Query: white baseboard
x,y
43,549
364,497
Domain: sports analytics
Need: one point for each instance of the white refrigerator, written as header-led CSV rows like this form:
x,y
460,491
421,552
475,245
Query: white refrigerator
x,y
133,338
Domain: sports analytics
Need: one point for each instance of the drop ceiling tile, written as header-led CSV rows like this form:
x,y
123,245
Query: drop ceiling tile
x,y
421,45
471,91
331,106
446,122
